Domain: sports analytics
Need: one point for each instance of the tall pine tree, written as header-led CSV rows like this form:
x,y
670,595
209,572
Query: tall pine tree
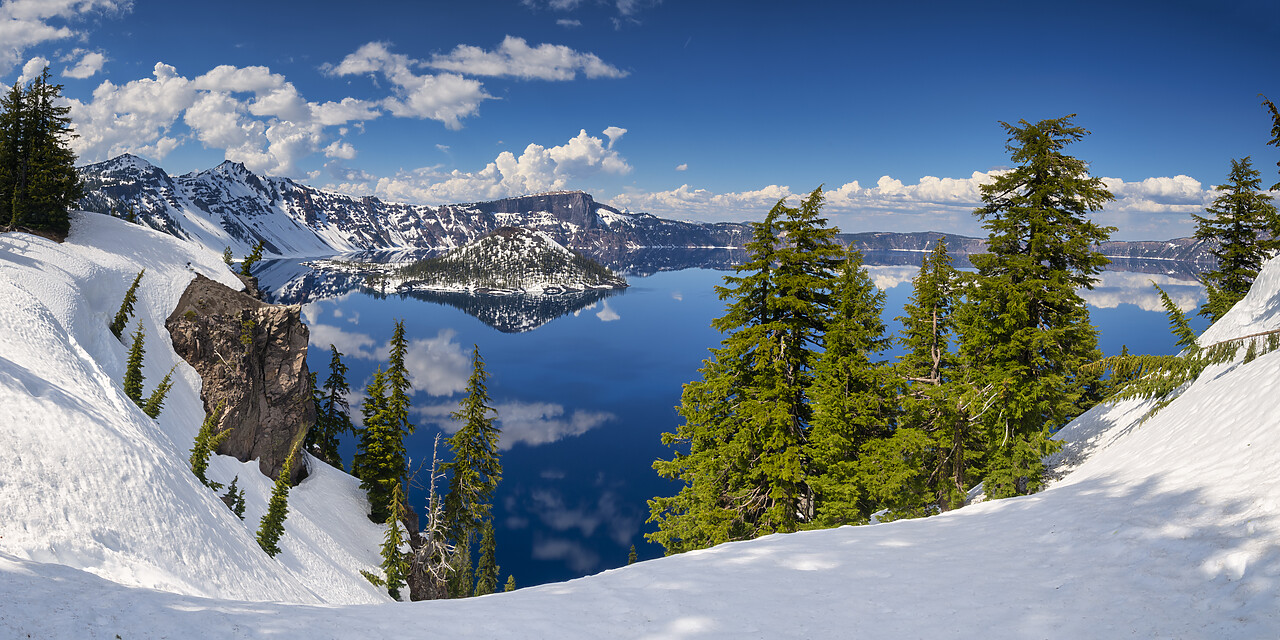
x,y
332,413
271,527
476,469
1029,332
38,180
126,307
1247,230
487,569
380,460
395,564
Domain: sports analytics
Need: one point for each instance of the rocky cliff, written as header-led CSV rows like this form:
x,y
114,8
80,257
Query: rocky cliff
x,y
252,359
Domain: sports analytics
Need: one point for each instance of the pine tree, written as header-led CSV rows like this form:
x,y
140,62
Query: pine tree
x,y
631,555
1275,130
332,411
930,370
206,442
53,184
246,267
234,498
12,151
397,380
853,398
1246,227
155,401
271,527
395,567
487,569
126,308
1028,332
380,460
227,256
133,367
746,419
461,577
475,470
511,583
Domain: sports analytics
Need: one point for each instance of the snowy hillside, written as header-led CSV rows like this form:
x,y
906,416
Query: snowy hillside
x,y
89,481
1168,529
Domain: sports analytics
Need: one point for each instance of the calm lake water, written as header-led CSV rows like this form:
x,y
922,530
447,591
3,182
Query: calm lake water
x,y
583,396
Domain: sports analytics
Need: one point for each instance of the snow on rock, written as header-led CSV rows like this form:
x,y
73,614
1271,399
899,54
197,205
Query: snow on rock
x,y
1169,528
89,481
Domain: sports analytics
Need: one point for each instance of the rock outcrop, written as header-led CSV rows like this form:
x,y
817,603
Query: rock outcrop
x,y
252,359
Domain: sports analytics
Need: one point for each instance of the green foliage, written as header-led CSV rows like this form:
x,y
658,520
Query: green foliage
x,y
126,308
1178,323
1275,130
332,412
631,555
235,497
1246,227
133,367
1027,333
853,396
381,461
395,566
271,527
227,256
38,180
487,569
461,583
206,442
155,402
740,450
373,578
476,469
247,325
511,583
246,267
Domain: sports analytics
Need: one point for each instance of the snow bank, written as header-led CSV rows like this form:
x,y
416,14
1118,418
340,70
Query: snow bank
x,y
1166,529
89,481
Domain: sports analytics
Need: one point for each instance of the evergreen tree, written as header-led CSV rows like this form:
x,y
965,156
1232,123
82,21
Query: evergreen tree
x,y
126,308
271,527
155,402
397,381
332,411
475,470
1028,332
206,442
246,267
487,569
929,368
380,460
12,152
227,256
234,498
53,184
395,567
746,419
853,397
1275,131
1247,230
461,578
511,583
133,367
631,555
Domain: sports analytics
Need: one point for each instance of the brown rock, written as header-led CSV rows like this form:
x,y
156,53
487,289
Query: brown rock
x,y
252,356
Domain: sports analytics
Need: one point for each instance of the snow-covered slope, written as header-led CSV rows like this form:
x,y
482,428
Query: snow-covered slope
x,y
89,481
1167,529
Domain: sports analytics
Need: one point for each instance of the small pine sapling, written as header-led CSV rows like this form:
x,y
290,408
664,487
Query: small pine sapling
x,y
1251,353
271,527
206,443
126,308
246,267
227,256
394,564
133,368
631,556
155,402
511,583
234,498
487,570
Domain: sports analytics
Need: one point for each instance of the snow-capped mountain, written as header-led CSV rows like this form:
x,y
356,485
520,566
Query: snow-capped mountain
x,y
230,206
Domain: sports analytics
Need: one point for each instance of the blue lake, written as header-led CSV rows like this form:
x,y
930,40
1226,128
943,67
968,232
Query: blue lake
x,y
583,398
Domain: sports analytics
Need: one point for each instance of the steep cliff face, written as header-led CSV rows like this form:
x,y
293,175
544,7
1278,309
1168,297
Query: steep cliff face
x,y
252,359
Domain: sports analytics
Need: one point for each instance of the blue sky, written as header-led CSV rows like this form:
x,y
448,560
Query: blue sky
x,y
694,110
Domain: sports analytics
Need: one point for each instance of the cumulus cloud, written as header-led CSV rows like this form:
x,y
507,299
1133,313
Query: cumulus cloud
x,y
614,134
682,167
1157,207
89,65
445,97
536,169
515,58
351,344
255,116
437,366
26,23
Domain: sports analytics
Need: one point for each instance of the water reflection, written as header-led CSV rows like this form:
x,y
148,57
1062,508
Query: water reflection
x,y
527,423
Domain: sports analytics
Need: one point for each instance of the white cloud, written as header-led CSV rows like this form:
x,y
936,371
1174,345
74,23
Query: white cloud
x,y
614,134
446,97
535,170
26,23
90,64
341,150
682,167
437,365
136,117
528,423
607,314
1115,288
32,69
352,345
569,23
515,58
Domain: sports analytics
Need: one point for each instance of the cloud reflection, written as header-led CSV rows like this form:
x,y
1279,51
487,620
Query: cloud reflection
x,y
607,314
1126,287
530,423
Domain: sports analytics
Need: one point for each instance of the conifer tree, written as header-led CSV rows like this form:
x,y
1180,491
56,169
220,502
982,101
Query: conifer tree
x,y
38,179
246,267
155,401
475,470
380,460
12,151
332,412
1247,230
1028,332
271,527
746,419
206,442
1275,131
461,577
511,583
133,367
487,569
631,555
227,256
853,397
397,380
234,498
395,567
126,308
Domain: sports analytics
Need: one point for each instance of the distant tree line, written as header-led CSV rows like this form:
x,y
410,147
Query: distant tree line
x,y
38,179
